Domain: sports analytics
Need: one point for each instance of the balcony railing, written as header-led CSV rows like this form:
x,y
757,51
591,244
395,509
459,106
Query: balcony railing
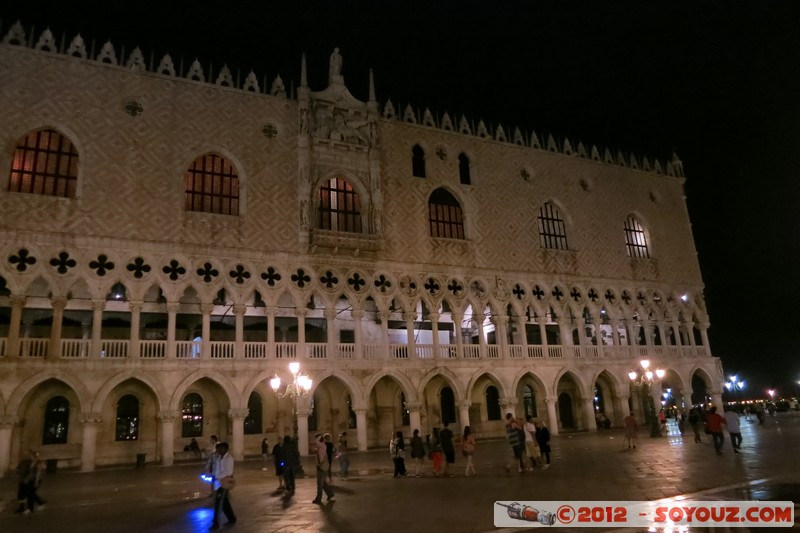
x,y
160,349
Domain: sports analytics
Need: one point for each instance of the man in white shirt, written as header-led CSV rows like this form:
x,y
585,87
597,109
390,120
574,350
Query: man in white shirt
x,y
223,468
732,423
322,470
531,448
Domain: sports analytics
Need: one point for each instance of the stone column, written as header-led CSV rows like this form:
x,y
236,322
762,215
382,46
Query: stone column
x,y
687,399
330,317
704,337
552,417
136,316
172,318
566,335
690,333
302,429
55,332
412,350
302,351
463,412
361,428
501,334
458,316
7,424
543,334
271,311
414,418
97,327
384,315
716,399
167,419
205,345
479,319
522,335
12,348
358,315
588,409
238,351
89,445
434,318
237,417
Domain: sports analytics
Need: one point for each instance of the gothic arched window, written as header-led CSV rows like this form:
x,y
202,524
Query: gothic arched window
x,y
528,401
127,426
552,230
635,239
418,161
448,405
252,422
339,207
212,186
44,162
493,403
56,421
463,170
445,216
192,416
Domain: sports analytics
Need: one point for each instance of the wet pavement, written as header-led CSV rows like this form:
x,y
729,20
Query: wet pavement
x,y
585,466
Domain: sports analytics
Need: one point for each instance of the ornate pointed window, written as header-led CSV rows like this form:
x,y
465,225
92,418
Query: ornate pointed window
x,y
463,170
212,186
56,421
636,239
44,162
552,230
192,416
418,161
252,422
339,207
444,215
127,427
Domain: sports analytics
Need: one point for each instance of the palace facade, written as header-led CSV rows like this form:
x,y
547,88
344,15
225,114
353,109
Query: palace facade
x,y
172,238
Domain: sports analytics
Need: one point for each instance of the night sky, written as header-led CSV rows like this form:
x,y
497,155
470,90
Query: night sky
x,y
716,81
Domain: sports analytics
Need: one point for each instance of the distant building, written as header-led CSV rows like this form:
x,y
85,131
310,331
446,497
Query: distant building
x,y
173,237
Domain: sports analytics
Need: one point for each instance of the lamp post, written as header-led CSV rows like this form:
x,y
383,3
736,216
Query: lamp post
x,y
645,380
734,385
297,388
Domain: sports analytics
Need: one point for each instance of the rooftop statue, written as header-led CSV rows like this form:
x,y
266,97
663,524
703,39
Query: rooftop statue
x,y
335,68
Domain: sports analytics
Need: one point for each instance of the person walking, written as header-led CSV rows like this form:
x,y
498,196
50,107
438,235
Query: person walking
x,y
213,457
330,450
531,447
732,423
290,460
417,451
448,448
468,449
223,483
512,435
694,421
436,452
278,462
24,472
543,440
344,459
714,424
264,454
397,451
322,470
631,429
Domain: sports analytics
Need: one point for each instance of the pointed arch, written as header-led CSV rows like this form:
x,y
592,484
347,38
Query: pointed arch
x,y
234,399
445,216
157,389
64,376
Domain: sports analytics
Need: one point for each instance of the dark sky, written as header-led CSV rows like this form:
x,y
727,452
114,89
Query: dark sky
x,y
718,81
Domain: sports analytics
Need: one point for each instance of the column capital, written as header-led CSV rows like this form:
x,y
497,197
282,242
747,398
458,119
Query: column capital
x,y
239,309
304,412
433,316
168,416
135,305
357,314
330,313
270,310
173,307
90,419
465,404
550,400
58,302
300,312
410,315
18,299
238,413
206,308
360,410
8,421
414,406
500,319
508,402
98,304
384,316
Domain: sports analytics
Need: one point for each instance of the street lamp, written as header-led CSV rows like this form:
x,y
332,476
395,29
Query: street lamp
x,y
645,380
299,386
734,385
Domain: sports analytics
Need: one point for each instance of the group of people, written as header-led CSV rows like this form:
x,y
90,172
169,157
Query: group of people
x,y
439,447
530,443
